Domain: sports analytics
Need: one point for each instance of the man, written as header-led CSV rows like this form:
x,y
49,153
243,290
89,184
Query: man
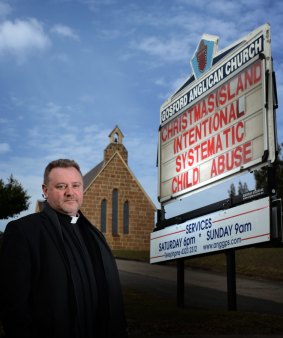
x,y
58,276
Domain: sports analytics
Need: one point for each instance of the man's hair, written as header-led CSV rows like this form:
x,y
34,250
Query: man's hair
x,y
60,163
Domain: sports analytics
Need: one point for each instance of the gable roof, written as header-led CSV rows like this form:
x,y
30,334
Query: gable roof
x,y
90,177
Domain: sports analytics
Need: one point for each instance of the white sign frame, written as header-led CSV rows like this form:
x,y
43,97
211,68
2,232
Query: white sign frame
x,y
177,177
244,225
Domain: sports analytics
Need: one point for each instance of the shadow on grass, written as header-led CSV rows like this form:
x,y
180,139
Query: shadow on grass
x,y
150,315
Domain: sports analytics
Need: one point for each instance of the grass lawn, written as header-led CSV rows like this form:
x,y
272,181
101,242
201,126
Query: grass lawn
x,y
148,315
253,262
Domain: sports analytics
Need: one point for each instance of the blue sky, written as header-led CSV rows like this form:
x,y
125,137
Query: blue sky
x,y
71,70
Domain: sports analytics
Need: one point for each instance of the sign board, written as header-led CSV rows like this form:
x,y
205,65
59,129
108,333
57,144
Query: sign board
x,y
243,225
221,122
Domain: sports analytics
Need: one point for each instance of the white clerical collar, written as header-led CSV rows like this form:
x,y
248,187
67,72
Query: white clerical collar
x,y
74,219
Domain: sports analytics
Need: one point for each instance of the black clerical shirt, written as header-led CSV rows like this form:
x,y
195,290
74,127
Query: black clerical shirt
x,y
87,272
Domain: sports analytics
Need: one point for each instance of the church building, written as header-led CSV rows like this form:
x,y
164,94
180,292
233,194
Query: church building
x,y
115,202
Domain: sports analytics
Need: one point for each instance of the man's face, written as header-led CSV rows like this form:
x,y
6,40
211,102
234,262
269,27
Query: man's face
x,y
64,190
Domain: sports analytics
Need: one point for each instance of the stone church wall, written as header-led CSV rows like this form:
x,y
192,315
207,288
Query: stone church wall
x,y
115,175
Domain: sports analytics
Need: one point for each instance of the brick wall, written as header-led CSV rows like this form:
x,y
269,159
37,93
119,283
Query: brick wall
x,y
112,148
115,175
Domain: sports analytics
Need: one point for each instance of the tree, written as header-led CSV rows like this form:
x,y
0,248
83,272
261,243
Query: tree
x,y
232,190
242,188
13,198
262,174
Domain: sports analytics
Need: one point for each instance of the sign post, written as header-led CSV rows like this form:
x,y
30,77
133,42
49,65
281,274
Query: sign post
x,y
231,279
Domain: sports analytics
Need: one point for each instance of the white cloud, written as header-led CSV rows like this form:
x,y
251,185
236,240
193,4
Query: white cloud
x,y
20,37
64,31
167,49
4,148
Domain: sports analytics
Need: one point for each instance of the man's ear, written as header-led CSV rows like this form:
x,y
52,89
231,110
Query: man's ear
x,y
44,190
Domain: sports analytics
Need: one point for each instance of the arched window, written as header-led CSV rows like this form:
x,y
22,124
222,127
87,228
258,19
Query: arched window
x,y
103,215
126,217
115,212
